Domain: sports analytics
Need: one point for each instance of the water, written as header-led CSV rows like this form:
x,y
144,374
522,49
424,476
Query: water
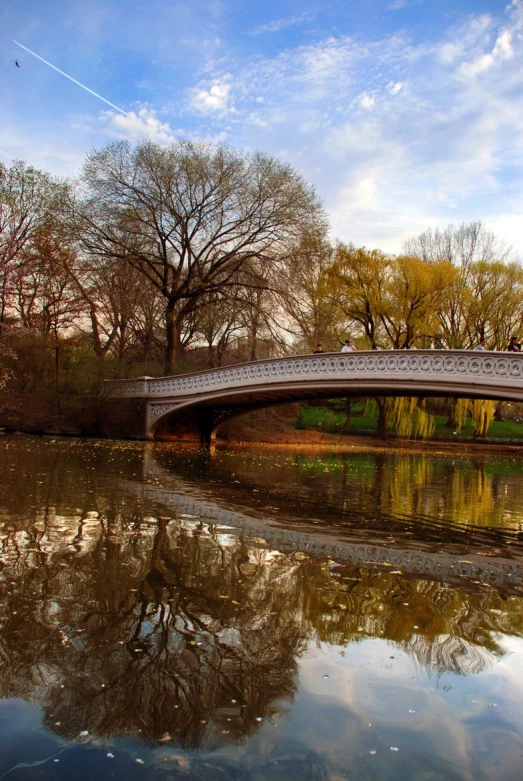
x,y
258,615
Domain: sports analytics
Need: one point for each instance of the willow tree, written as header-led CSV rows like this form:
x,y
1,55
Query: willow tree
x,y
465,246
356,281
189,217
412,298
494,303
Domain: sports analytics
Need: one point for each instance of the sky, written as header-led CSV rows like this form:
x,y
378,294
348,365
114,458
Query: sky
x,y
403,114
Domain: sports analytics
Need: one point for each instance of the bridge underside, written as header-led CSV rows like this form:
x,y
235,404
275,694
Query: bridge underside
x,y
199,419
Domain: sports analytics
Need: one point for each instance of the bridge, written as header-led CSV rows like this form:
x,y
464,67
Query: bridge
x,y
192,406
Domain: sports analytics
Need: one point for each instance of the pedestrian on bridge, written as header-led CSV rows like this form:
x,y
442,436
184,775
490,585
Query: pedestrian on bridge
x,y
514,345
348,347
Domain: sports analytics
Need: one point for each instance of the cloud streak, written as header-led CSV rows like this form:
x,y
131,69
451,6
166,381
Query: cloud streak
x,y
280,24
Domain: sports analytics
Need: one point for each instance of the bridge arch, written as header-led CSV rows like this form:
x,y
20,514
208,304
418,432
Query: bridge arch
x,y
196,404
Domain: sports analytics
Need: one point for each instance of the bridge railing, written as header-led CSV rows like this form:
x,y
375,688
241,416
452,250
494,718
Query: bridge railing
x,y
486,368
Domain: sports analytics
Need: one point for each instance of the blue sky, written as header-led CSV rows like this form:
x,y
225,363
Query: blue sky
x,y
404,114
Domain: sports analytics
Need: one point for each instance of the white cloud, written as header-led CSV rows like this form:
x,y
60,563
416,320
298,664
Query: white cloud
x,y
503,50
136,125
385,167
213,99
367,101
280,24
394,88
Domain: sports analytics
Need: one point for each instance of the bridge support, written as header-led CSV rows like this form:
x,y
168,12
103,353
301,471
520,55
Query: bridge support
x,y
193,424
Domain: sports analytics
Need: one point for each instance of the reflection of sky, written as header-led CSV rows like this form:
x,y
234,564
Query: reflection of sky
x,y
353,706
377,691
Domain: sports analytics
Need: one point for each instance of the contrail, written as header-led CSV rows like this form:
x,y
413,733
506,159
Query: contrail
x,y
71,78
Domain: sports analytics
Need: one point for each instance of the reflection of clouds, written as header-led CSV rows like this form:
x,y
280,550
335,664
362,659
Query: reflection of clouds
x,y
379,701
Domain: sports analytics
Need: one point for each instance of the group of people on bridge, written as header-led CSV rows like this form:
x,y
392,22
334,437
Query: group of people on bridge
x,y
514,346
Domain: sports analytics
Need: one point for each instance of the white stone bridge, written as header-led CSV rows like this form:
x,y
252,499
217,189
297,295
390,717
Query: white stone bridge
x,y
192,406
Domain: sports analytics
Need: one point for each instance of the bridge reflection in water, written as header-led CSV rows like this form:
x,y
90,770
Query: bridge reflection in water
x,y
172,610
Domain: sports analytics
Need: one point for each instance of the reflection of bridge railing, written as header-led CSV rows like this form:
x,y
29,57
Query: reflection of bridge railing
x,y
471,569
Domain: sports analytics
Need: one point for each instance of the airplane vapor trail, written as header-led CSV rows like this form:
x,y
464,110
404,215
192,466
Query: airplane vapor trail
x,y
71,78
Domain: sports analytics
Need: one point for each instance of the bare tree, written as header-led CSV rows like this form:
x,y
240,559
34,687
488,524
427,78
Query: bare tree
x,y
304,296
189,217
464,245
28,198
460,244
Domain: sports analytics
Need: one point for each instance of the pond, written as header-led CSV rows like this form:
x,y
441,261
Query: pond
x,y
258,615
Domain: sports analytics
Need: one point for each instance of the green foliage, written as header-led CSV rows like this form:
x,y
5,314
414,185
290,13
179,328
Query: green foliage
x,y
364,418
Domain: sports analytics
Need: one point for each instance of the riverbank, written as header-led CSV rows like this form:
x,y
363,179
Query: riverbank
x,y
29,413
275,427
75,416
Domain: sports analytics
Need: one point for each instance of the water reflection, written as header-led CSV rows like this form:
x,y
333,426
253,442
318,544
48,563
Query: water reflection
x,y
181,599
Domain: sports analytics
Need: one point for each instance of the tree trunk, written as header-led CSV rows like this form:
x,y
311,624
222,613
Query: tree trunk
x,y
499,413
452,420
348,416
381,428
173,343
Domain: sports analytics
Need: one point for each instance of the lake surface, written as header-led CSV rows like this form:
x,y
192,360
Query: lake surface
x,y
258,615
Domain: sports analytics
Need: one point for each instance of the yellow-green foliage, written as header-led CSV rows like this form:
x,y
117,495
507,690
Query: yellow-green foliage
x,y
482,414
410,418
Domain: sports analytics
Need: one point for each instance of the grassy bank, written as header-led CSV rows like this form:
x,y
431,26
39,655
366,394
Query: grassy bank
x,y
364,420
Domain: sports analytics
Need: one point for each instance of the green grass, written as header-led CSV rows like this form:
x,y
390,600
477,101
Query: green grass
x,y
324,419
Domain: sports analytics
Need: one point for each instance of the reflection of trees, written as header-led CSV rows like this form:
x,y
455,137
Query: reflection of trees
x,y
138,620
442,628
179,627
158,627
435,496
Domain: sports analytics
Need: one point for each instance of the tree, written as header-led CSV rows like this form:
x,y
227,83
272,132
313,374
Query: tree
x,y
493,302
460,244
356,282
218,322
412,298
309,311
28,198
189,217
464,246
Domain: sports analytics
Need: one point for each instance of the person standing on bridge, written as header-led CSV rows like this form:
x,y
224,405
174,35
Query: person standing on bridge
x,y
481,345
514,345
319,349
348,347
